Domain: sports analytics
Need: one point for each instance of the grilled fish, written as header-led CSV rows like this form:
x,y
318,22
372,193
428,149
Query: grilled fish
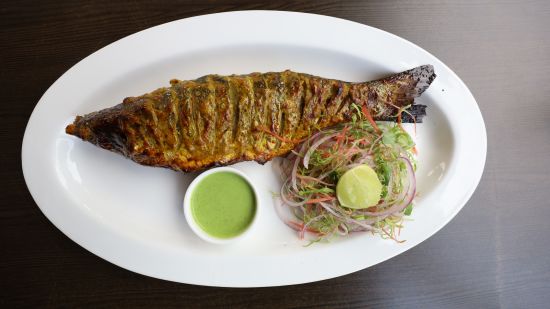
x,y
219,120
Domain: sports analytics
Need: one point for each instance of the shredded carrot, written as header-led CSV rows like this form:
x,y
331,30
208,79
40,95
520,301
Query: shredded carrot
x,y
295,224
322,199
369,117
340,138
399,121
277,136
344,132
399,116
301,227
414,120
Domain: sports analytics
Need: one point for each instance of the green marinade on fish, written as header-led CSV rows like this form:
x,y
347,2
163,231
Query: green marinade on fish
x,y
219,120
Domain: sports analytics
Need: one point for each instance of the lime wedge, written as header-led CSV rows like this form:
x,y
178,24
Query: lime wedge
x,y
359,188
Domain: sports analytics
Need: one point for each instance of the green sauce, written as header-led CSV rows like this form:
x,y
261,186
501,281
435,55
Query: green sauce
x,y
223,204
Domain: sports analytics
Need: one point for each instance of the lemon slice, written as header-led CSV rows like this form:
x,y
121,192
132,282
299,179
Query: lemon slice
x,y
359,188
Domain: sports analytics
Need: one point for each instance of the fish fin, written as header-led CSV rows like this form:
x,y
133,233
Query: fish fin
x,y
417,81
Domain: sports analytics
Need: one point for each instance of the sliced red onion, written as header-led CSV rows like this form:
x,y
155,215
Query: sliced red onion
x,y
362,223
370,221
298,159
367,227
285,218
291,203
342,229
294,172
409,196
285,199
328,208
360,229
314,179
314,147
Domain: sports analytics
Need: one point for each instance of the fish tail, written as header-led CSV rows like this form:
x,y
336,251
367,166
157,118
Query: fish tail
x,y
388,96
421,76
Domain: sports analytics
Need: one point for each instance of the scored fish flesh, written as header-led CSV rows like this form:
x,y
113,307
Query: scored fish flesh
x,y
219,120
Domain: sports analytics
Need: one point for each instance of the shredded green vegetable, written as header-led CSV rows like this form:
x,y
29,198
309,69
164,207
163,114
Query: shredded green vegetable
x,y
313,170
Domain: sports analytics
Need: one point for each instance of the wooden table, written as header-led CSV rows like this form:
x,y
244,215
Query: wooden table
x,y
495,253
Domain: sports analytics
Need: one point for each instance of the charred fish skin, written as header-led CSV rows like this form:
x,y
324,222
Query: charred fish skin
x,y
219,120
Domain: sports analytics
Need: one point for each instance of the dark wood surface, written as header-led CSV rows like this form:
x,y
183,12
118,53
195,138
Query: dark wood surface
x,y
495,253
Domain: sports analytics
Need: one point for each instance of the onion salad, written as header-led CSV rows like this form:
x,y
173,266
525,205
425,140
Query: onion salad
x,y
312,171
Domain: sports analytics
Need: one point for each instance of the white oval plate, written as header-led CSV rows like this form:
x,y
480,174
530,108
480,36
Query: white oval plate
x,y
131,215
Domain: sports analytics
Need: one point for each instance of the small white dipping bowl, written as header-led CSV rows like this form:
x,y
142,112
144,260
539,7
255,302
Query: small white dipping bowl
x,y
188,210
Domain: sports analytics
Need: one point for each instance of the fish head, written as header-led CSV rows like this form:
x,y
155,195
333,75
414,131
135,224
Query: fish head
x,y
101,128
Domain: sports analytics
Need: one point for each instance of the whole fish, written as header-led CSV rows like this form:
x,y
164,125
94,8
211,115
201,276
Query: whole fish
x,y
219,120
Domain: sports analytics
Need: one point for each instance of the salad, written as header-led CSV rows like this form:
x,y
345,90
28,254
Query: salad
x,y
357,177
